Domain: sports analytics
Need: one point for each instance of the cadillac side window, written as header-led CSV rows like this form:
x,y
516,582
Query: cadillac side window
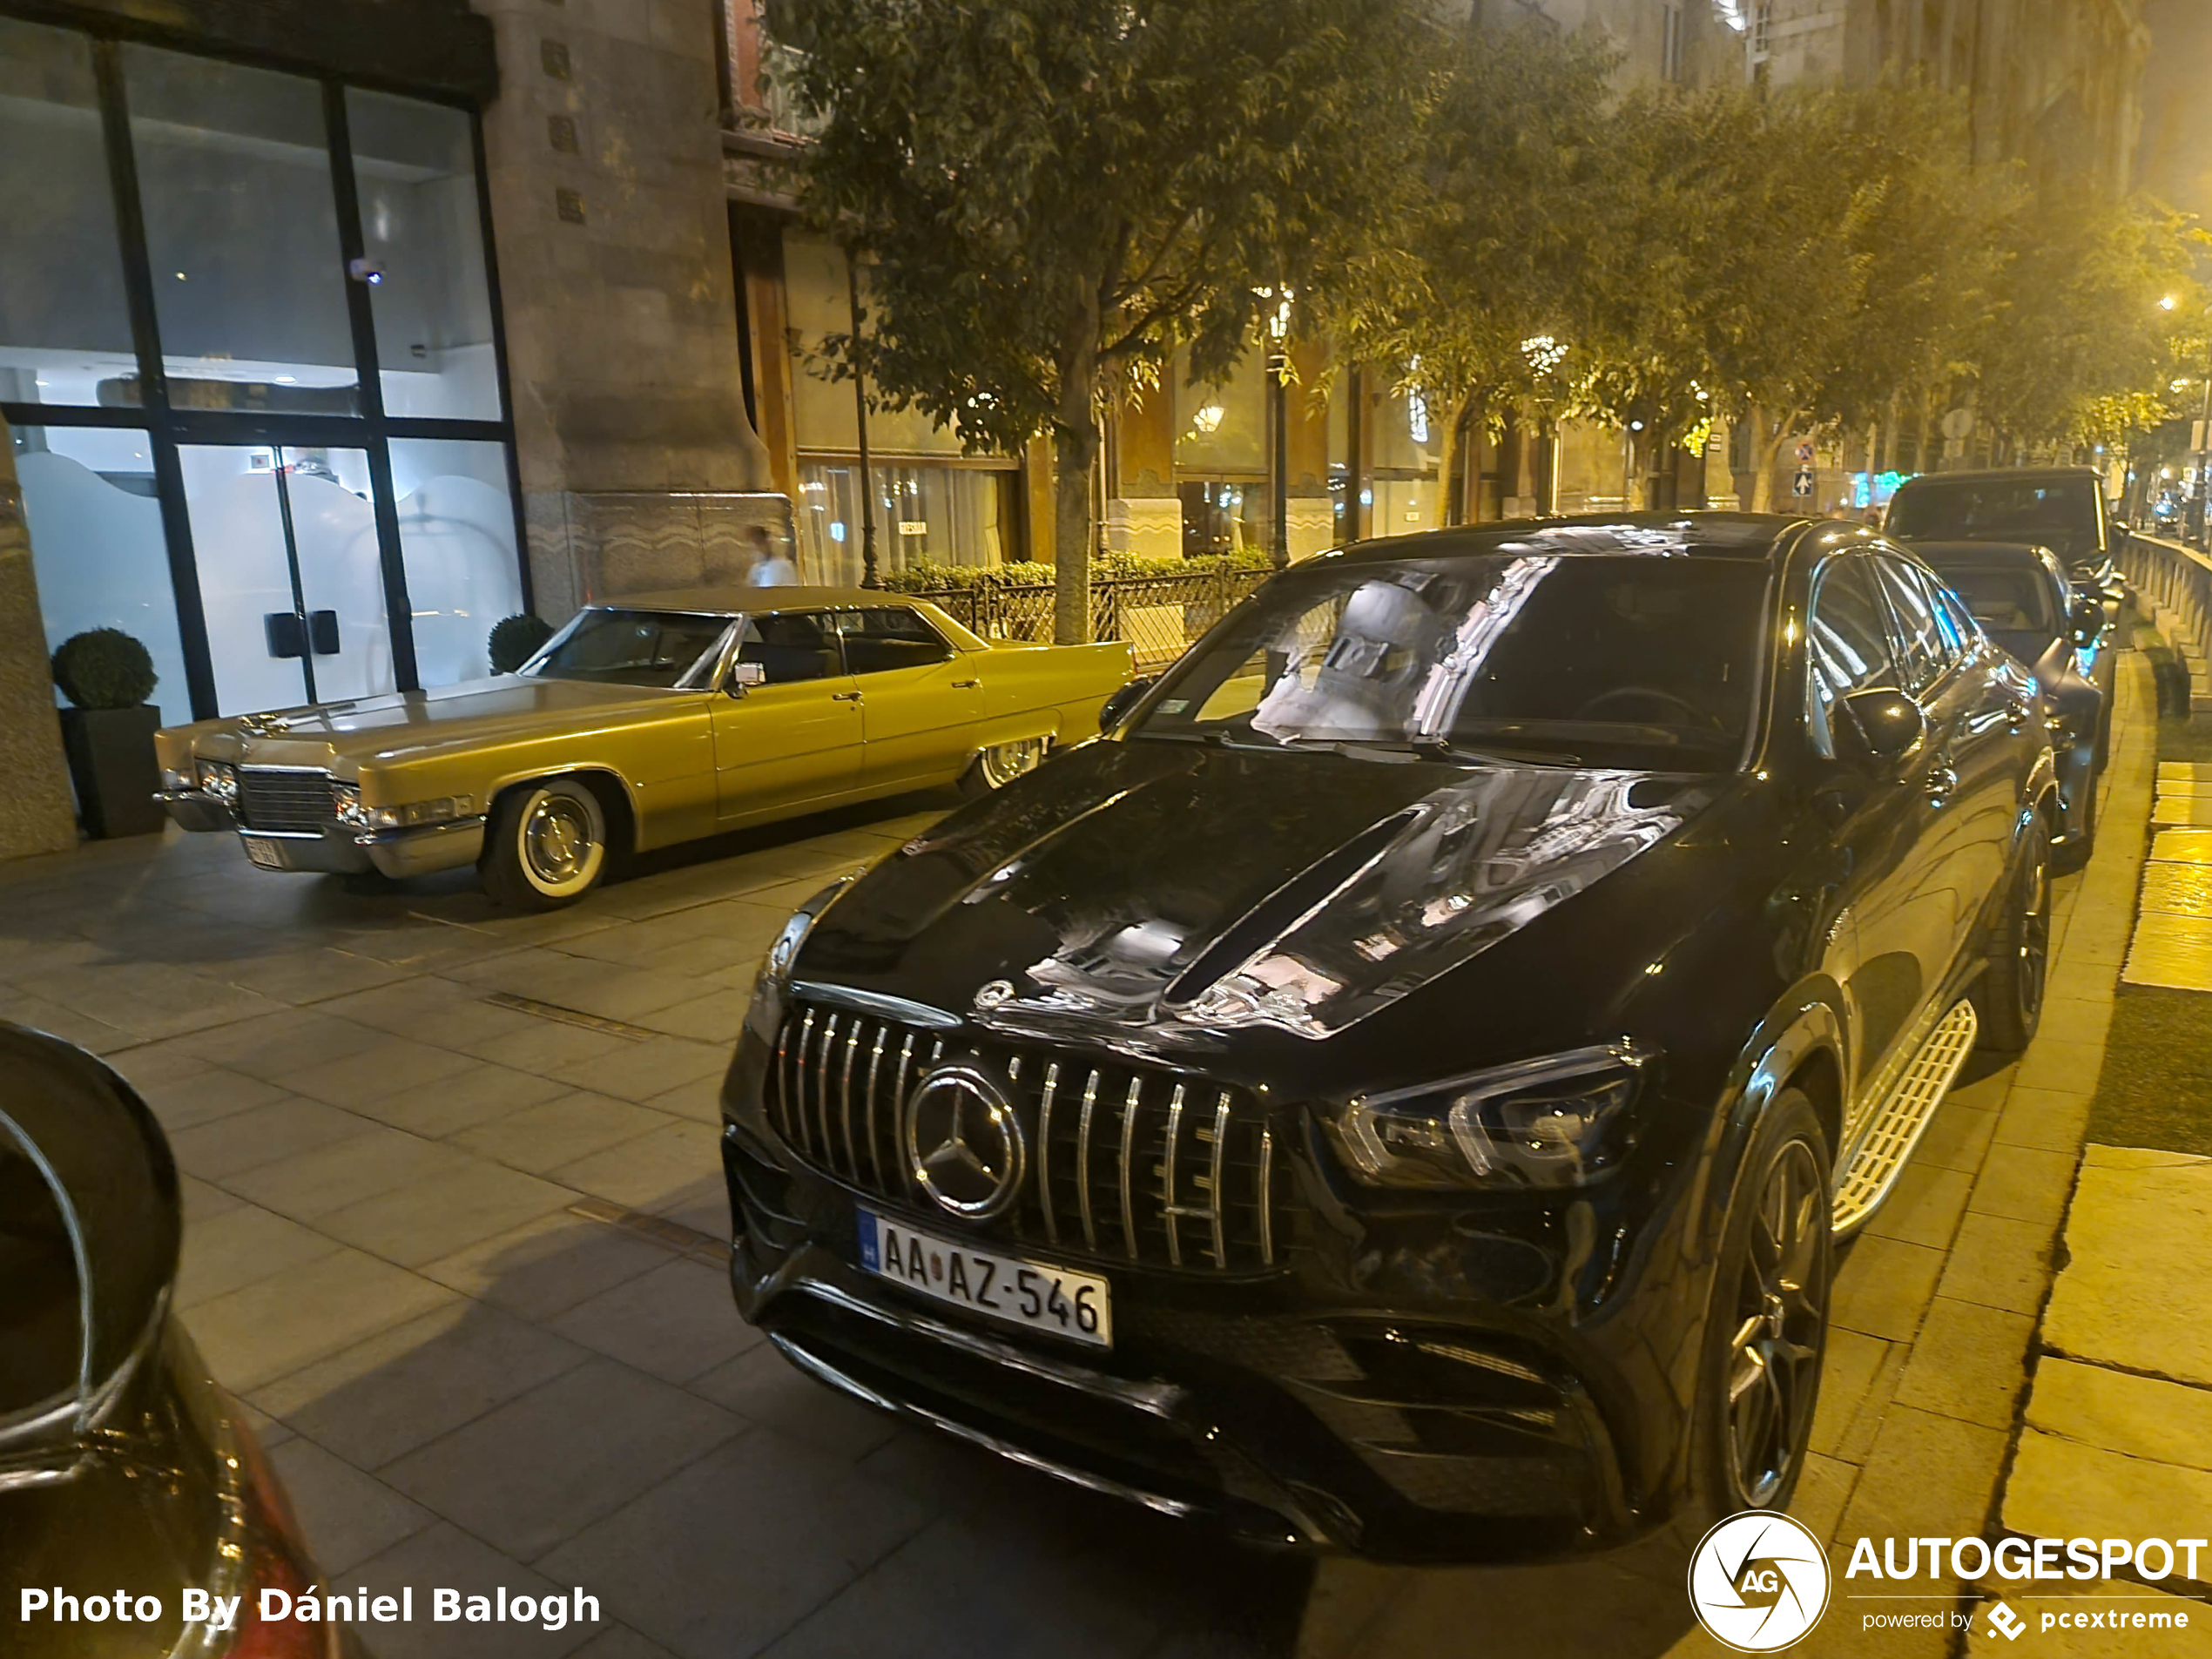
x,y
1848,644
879,639
790,646
1925,652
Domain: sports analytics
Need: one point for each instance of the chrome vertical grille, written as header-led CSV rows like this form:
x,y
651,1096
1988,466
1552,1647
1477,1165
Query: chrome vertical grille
x,y
284,798
1133,1164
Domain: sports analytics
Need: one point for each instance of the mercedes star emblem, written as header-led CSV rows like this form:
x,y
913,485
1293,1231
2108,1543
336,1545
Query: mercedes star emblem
x,y
963,1141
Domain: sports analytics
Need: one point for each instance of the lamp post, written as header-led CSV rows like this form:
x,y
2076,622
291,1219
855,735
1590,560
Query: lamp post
x,y
1278,381
869,578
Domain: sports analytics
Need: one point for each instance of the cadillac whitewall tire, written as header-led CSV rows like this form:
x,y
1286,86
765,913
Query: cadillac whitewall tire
x,y
1000,765
546,844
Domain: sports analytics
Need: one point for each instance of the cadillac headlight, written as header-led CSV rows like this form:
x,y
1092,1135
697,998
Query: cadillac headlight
x,y
219,778
1550,1122
407,815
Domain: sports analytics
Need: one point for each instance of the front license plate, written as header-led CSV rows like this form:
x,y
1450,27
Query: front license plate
x,y
1029,1294
264,852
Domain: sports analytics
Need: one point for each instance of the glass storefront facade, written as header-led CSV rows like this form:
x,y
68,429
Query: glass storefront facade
x,y
250,357
932,504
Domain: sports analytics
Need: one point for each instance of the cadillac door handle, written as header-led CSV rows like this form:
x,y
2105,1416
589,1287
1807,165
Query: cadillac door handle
x,y
1941,783
965,685
845,697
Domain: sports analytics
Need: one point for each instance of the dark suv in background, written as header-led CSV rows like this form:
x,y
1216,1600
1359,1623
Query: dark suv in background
x,y
2060,508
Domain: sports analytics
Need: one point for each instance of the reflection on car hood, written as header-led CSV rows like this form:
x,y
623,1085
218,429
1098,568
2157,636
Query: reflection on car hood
x,y
393,724
1184,889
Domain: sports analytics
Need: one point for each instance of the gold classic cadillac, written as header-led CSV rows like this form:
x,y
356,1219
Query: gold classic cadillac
x,y
645,721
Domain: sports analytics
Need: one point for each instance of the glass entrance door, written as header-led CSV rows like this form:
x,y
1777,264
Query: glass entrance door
x,y
290,575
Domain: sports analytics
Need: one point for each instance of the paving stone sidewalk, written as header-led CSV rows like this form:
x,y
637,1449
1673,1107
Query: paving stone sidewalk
x,y
2115,1437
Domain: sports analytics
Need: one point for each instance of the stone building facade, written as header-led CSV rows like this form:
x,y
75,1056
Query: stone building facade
x,y
333,331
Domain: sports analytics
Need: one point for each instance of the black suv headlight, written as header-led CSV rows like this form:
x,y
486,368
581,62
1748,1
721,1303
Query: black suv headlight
x,y
1550,1122
776,968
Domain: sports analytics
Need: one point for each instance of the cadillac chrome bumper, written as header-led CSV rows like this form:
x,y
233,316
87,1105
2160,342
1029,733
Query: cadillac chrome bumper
x,y
335,848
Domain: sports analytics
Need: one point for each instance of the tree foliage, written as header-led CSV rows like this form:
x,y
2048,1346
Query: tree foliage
x,y
1053,195
1052,198
2080,346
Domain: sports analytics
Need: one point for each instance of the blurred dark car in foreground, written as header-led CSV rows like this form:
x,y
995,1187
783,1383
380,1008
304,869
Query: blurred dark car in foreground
x,y
2062,507
124,1469
1400,1088
2024,602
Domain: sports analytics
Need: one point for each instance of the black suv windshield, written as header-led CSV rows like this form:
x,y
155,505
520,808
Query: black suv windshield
x,y
2058,512
1630,660
655,648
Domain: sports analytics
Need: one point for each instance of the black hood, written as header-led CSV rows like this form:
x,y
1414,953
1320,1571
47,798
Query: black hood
x,y
1183,888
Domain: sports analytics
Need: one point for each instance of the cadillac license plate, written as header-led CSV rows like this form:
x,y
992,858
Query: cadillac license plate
x,y
266,853
1029,1294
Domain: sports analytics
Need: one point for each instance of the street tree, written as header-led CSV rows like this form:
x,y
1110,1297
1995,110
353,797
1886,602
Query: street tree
x,y
1794,256
1052,196
1480,313
2082,340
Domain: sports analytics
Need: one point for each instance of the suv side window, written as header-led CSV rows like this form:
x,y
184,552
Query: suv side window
x,y
1847,639
1926,647
1957,622
889,637
790,646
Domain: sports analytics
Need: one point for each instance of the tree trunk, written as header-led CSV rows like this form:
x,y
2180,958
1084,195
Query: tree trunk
x,y
1458,469
1770,455
1075,451
1074,434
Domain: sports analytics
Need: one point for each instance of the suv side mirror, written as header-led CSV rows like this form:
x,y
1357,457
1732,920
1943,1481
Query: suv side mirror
x,y
1883,727
744,676
1116,709
2086,622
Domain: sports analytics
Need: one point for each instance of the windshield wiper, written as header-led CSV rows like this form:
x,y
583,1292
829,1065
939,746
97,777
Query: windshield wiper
x,y
1445,748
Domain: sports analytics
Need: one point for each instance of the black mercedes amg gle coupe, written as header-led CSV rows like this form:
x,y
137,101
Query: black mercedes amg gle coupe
x,y
1402,1088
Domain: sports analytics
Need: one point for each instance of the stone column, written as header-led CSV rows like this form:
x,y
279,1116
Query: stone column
x,y
611,226
1312,524
36,812
1145,515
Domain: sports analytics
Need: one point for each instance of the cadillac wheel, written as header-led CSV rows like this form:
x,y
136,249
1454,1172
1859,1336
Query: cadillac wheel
x,y
546,844
1000,765
1770,1318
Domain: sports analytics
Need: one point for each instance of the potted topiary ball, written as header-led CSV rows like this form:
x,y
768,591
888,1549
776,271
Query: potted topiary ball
x,y
515,640
108,734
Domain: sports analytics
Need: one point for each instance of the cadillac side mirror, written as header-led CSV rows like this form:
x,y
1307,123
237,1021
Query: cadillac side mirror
x,y
744,676
1882,727
1116,709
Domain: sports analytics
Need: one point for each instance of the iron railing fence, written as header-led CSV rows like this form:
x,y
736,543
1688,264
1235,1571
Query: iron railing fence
x,y
1159,616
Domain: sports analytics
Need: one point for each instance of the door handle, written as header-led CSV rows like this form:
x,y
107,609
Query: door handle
x,y
965,685
1941,780
288,634
845,697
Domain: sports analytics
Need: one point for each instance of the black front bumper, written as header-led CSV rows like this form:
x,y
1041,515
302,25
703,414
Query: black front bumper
x,y
1241,1402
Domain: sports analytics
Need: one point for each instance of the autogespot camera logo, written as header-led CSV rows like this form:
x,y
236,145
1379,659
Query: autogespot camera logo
x,y
1758,1581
